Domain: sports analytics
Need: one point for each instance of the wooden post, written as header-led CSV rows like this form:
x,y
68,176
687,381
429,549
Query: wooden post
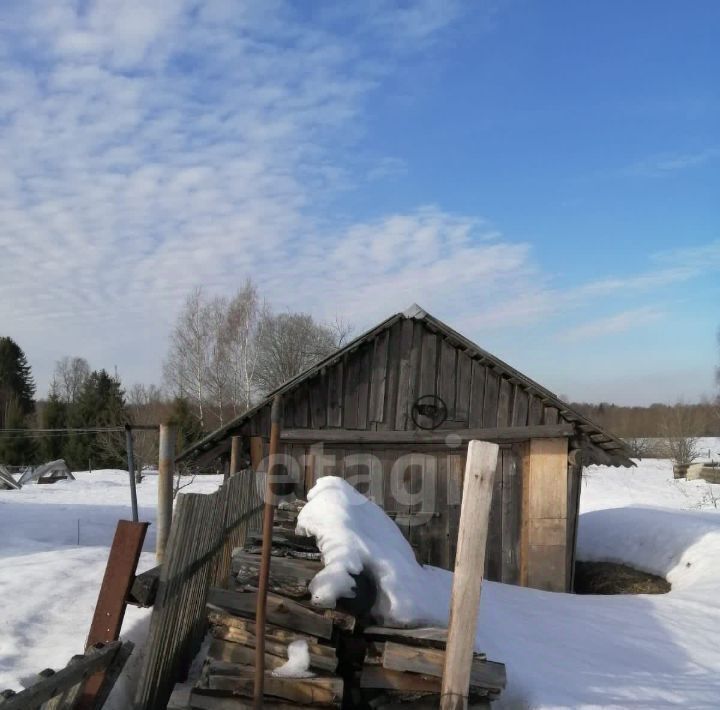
x,y
131,471
235,454
264,575
544,551
166,471
469,565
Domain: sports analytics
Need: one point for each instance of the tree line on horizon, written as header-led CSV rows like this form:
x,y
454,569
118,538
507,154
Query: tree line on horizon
x,y
224,354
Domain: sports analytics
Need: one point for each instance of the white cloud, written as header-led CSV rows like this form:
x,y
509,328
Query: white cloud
x,y
146,148
634,319
667,163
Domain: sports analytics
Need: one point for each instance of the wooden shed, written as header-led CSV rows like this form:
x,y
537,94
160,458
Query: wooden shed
x,y
392,413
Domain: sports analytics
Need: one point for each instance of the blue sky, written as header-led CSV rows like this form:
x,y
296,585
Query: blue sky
x,y
544,176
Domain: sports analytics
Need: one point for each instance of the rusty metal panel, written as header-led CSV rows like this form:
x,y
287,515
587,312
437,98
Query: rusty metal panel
x,y
112,599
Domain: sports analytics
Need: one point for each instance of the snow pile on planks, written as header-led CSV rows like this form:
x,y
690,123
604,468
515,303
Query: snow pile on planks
x,y
349,661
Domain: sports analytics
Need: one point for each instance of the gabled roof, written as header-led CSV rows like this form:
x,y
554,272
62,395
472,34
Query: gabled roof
x,y
611,449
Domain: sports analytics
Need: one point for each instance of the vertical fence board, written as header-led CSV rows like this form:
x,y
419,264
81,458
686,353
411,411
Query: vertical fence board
x,y
204,531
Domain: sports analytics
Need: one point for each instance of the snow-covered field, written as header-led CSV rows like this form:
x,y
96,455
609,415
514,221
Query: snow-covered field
x,y
561,651
54,543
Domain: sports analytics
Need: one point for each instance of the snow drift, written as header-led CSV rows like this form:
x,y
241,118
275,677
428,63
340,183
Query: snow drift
x,y
561,650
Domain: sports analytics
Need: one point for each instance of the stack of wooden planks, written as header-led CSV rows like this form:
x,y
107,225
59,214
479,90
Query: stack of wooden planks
x,y
351,662
405,667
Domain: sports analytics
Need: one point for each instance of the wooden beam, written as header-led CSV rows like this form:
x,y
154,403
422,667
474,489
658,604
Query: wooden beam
x,y
467,580
51,684
495,434
144,588
545,514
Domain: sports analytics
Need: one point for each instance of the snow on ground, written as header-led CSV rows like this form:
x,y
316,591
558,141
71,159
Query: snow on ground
x,y
561,650
54,544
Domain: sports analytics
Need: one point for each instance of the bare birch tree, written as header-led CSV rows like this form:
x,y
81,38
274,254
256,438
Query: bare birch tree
x,y
243,323
288,344
186,366
71,373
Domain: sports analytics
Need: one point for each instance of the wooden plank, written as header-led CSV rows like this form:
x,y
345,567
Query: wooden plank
x,y
51,684
335,395
455,474
144,588
574,486
490,400
378,377
384,679
494,544
519,407
307,691
405,375
546,524
550,415
248,627
434,437
257,453
447,377
322,658
462,392
503,410
423,636
318,388
350,391
431,661
428,364
535,411
112,673
414,372
280,611
326,654
511,517
480,467
437,552
392,378
201,701
363,386
477,394
288,576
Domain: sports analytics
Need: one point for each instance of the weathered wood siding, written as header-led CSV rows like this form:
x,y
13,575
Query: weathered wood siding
x,y
374,387
422,492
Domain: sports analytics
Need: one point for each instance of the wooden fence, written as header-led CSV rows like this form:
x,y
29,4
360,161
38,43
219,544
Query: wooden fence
x,y
205,529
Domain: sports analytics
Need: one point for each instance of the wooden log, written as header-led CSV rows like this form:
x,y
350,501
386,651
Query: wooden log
x,y
469,564
437,436
482,674
280,611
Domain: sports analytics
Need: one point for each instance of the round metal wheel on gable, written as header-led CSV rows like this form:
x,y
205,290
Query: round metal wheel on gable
x,y
429,411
